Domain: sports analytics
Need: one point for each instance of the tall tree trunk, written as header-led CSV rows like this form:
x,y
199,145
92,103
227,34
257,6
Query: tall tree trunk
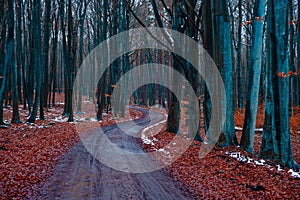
x,y
54,61
178,23
45,61
294,79
223,59
12,64
240,84
209,44
276,143
80,58
298,52
102,82
37,57
19,47
254,77
5,59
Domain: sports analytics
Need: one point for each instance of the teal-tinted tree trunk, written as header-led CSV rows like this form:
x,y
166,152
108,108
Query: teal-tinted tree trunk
x,y
37,57
12,64
294,79
276,143
54,59
45,58
239,66
5,59
102,83
82,11
19,48
223,59
298,53
70,63
178,22
217,42
192,73
254,77
209,44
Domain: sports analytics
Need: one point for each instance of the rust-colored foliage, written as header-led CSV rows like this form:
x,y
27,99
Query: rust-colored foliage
x,y
29,152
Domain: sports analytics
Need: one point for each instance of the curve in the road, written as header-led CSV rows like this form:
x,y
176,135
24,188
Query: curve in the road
x,y
80,176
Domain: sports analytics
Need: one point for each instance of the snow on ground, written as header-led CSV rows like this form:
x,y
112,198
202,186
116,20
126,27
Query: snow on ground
x,y
144,137
256,130
259,162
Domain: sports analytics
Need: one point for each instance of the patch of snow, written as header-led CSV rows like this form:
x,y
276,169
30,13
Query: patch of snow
x,y
294,174
238,128
256,130
260,162
145,139
61,119
278,168
234,154
164,151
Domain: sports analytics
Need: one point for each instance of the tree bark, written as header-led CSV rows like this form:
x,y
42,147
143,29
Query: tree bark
x,y
254,77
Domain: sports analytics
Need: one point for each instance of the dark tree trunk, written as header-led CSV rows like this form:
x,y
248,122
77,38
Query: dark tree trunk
x,y
5,59
240,79
45,57
12,64
37,57
19,47
276,143
102,82
178,23
254,78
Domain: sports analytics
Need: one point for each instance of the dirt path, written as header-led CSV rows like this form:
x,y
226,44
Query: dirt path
x,y
80,176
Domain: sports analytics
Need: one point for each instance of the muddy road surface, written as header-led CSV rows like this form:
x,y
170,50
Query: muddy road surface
x,y
79,175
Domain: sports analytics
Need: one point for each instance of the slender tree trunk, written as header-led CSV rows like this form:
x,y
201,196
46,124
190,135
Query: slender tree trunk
x,y
37,57
178,22
298,52
254,77
53,62
240,85
102,84
12,64
209,44
5,60
223,59
81,32
19,48
45,57
294,79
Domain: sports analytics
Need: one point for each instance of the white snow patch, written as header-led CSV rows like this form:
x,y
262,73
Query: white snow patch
x,y
145,139
61,119
237,128
260,162
294,174
278,168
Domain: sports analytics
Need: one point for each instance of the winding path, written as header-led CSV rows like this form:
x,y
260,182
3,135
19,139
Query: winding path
x,y
80,176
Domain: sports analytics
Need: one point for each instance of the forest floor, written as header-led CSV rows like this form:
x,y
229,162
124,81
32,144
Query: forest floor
x,y
30,152
227,173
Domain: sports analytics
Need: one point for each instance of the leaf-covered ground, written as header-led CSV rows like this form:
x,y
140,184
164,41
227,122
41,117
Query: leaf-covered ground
x,y
232,173
29,152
